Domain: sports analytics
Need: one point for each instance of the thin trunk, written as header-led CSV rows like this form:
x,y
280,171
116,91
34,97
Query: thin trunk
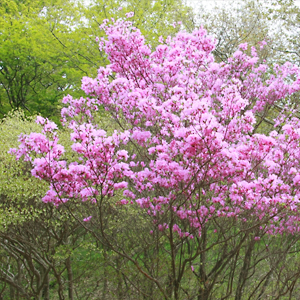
x,y
19,278
11,292
60,286
203,292
70,278
46,292
105,275
119,280
244,272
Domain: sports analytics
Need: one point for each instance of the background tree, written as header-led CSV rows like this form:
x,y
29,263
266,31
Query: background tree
x,y
285,14
47,46
236,23
32,72
253,21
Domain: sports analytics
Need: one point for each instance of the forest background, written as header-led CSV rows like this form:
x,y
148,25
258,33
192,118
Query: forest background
x,y
46,252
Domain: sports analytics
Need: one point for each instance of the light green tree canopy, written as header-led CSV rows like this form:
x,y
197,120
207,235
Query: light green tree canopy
x,y
47,46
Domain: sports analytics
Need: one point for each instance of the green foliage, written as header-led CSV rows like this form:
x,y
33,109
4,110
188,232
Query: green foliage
x,y
30,69
153,18
48,46
17,187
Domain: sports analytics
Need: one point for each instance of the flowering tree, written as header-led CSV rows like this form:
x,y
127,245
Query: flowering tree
x,y
204,158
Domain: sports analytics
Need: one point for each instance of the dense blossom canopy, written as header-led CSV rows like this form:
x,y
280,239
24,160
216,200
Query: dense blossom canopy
x,y
189,138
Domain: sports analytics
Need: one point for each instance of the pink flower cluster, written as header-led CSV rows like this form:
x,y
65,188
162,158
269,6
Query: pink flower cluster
x,y
193,124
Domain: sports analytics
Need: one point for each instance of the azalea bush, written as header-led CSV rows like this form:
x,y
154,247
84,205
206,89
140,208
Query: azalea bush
x,y
194,188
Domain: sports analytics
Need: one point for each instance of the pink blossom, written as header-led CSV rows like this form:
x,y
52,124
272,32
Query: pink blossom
x,y
130,15
87,219
186,143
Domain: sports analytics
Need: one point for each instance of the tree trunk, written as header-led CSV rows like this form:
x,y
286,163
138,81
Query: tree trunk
x,y
203,293
46,292
70,278
244,272
11,292
119,280
105,275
